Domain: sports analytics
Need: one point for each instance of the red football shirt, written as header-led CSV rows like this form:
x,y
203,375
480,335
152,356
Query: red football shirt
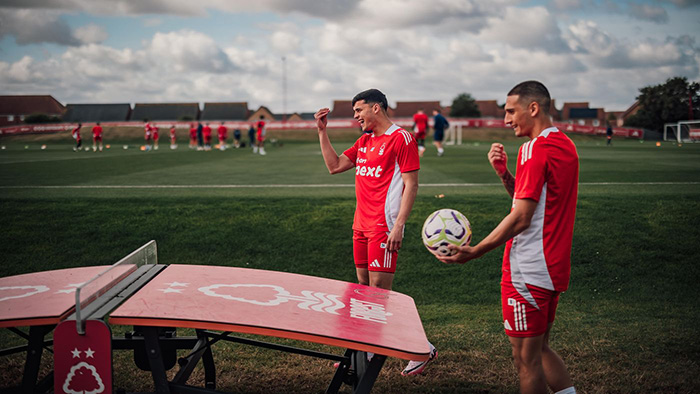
x,y
547,172
222,132
421,121
206,131
97,131
379,162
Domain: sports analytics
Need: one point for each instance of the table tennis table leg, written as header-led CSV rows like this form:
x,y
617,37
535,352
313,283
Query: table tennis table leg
x,y
370,373
202,350
340,374
153,351
35,348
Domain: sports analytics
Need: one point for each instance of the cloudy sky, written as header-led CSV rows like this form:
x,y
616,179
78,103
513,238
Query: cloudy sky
x,y
127,51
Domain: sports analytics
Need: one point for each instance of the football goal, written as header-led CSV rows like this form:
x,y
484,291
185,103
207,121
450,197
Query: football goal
x,y
683,131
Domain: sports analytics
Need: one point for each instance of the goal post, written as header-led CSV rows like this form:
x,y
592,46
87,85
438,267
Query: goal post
x,y
454,135
682,131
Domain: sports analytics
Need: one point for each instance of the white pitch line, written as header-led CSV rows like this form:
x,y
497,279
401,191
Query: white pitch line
x,y
303,186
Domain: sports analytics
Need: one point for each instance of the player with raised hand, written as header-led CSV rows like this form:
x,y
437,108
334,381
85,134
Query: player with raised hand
x,y
386,165
538,233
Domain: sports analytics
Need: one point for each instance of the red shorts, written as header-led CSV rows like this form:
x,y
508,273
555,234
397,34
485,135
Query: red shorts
x,y
155,136
369,251
97,138
520,317
207,139
420,135
147,137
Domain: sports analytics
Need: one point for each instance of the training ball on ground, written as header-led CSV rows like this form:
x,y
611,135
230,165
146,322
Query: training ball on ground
x,y
445,227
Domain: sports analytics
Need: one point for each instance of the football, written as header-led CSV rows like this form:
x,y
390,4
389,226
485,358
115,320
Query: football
x,y
444,227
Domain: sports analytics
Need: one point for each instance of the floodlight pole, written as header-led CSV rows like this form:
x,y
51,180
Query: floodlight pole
x,y
284,89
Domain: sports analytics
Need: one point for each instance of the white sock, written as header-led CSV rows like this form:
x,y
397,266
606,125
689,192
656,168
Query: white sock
x,y
569,390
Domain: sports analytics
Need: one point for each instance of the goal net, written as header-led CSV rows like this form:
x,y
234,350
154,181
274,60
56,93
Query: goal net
x,y
683,131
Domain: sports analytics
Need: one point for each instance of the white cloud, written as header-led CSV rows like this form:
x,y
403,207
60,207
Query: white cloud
x,y
188,51
285,42
526,28
90,34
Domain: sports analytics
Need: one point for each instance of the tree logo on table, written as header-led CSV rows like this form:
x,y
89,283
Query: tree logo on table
x,y
83,377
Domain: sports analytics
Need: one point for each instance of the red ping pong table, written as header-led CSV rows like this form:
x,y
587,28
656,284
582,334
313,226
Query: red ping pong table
x,y
215,301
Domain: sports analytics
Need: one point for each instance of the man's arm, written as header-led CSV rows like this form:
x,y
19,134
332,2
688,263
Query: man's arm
x,y
334,163
410,180
499,161
517,221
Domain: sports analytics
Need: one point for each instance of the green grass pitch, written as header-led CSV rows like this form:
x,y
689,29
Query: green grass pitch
x,y
628,323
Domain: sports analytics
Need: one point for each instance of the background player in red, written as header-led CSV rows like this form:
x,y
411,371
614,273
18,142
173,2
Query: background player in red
x,y
206,134
173,138
156,136
148,134
386,165
223,136
538,233
193,136
96,137
260,135
420,125
75,133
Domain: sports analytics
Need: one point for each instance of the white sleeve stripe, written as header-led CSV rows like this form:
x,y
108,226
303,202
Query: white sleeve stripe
x,y
406,136
529,151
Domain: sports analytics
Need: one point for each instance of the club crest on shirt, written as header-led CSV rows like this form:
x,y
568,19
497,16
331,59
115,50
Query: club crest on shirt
x,y
381,150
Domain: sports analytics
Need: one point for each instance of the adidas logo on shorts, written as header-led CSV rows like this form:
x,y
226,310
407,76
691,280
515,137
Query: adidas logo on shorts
x,y
375,264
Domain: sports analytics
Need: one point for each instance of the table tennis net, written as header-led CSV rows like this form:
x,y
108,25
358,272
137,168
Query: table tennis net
x,y
102,282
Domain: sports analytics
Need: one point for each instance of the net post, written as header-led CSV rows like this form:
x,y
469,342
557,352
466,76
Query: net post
x,y
146,254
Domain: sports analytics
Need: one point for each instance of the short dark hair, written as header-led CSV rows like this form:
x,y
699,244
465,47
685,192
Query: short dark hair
x,y
371,96
532,91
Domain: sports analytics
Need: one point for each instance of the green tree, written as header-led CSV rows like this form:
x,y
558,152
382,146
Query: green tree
x,y
41,118
464,105
675,100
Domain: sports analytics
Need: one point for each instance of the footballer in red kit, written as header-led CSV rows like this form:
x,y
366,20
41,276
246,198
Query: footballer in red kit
x,y
260,135
96,137
420,125
538,233
156,136
206,133
75,133
193,136
222,133
148,134
173,138
386,165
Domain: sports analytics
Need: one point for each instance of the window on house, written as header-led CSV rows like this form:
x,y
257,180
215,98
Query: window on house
x,y
10,118
581,122
596,122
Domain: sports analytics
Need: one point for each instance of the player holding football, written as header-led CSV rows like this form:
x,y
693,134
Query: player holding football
x,y
96,136
386,165
538,233
420,125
